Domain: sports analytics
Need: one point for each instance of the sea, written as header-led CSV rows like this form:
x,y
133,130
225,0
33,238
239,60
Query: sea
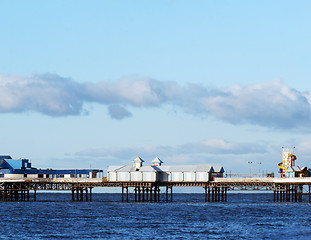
x,y
243,216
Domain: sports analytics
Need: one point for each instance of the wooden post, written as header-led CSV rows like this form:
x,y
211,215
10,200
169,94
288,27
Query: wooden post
x,y
86,195
143,194
147,193
127,193
81,194
219,194
209,194
122,194
77,194
72,193
155,194
90,194
301,192
226,194
158,194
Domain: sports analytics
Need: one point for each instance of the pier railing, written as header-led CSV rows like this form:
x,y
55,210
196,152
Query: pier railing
x,y
245,175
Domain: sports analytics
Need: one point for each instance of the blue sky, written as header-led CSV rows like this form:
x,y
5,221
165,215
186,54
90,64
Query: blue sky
x,y
193,82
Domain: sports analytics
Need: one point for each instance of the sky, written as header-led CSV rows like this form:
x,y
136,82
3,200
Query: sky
x,y
97,83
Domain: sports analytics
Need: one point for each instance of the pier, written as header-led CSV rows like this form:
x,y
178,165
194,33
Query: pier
x,y
284,189
20,181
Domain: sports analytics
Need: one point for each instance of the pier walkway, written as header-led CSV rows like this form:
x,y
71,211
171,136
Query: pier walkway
x,y
284,189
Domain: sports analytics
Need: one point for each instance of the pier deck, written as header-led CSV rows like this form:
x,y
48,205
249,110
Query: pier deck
x,y
284,189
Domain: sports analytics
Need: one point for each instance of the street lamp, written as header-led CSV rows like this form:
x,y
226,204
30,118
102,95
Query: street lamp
x,y
259,163
250,169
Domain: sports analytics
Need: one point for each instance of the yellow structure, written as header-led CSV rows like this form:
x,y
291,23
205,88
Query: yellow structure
x,y
288,161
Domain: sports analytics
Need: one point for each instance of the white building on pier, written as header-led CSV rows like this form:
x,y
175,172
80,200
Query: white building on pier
x,y
156,172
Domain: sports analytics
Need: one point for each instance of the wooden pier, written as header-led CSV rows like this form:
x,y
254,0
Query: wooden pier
x,y
284,189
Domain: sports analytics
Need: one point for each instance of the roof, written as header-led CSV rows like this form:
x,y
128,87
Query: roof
x,y
218,169
131,169
157,160
186,168
293,169
67,171
296,168
138,159
114,168
148,169
15,164
5,157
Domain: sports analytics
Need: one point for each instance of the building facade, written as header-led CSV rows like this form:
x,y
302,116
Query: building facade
x,y
156,172
21,168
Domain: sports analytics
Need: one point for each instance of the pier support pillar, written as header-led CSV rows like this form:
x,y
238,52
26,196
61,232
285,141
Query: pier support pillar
x,y
209,194
143,194
147,194
168,195
122,193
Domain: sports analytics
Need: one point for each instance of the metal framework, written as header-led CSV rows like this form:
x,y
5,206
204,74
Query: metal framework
x,y
215,191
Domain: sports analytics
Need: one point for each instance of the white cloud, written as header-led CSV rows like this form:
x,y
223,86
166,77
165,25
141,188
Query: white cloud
x,y
270,104
206,147
48,94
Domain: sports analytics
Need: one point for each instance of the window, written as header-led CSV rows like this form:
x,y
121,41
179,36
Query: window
x,y
40,175
61,175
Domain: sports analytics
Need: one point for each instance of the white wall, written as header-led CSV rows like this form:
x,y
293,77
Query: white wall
x,y
123,176
149,176
163,176
176,176
189,176
112,176
14,176
136,176
20,176
202,176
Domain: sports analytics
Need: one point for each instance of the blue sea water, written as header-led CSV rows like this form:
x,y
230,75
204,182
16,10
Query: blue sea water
x,y
244,216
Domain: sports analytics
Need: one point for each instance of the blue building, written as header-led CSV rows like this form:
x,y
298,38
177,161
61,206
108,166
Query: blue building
x,y
21,168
